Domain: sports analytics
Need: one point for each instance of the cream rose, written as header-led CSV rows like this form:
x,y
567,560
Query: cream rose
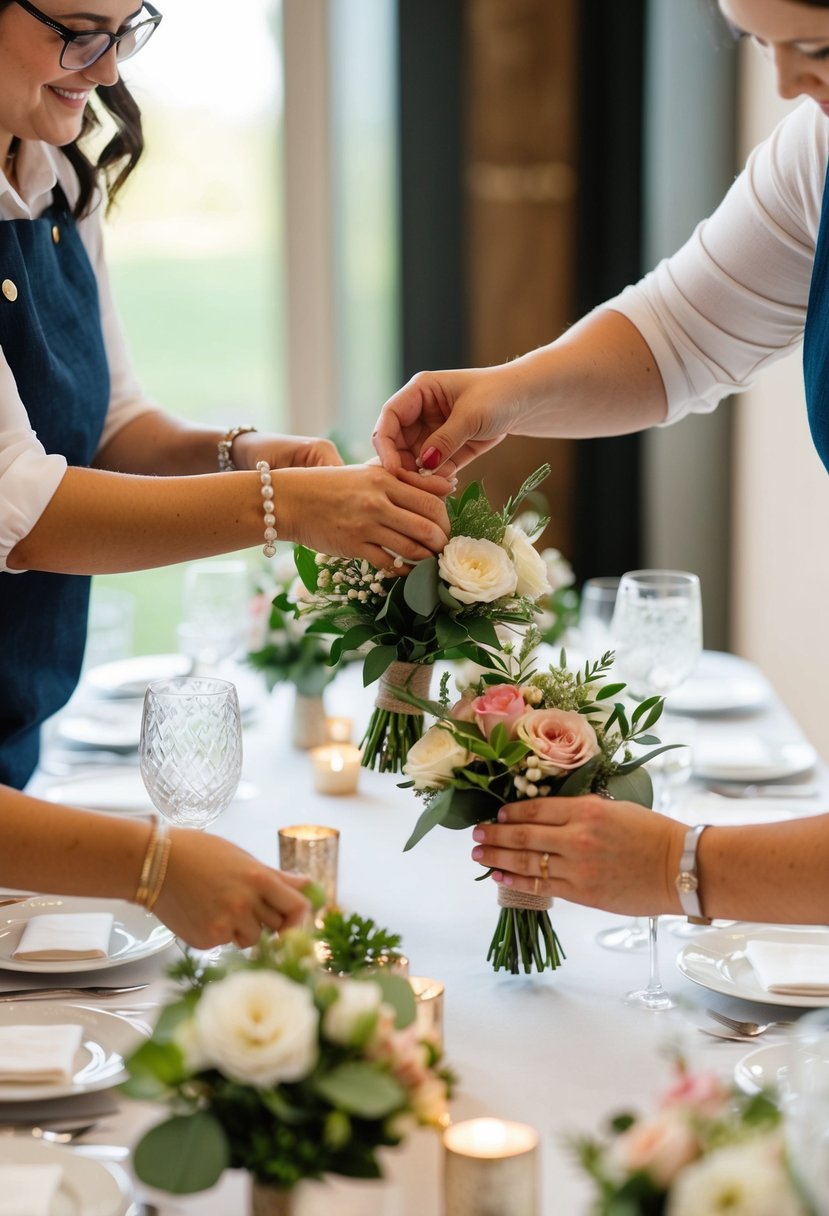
x,y
353,1016
530,567
431,760
743,1179
560,739
258,1028
477,571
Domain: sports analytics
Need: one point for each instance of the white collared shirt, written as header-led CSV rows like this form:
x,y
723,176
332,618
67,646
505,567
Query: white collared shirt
x,y
29,475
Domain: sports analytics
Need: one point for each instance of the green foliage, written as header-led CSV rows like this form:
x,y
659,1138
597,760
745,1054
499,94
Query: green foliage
x,y
355,942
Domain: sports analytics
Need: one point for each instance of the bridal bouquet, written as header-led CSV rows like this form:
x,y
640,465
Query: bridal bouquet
x,y
274,1066
708,1149
447,606
525,734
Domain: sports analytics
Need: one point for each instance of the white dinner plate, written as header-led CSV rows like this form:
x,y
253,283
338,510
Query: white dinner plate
x,y
87,1187
763,1068
717,960
130,677
135,933
102,724
720,684
739,754
107,1039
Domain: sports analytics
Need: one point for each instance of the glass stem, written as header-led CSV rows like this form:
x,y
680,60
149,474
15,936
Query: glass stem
x,y
654,982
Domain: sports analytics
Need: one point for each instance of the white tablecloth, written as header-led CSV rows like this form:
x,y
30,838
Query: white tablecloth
x,y
559,1051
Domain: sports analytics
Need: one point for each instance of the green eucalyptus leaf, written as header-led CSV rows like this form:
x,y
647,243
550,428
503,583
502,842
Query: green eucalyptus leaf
x,y
609,690
431,817
449,632
354,637
397,992
633,786
580,780
184,1154
420,587
307,568
154,1068
376,662
364,1090
482,630
631,765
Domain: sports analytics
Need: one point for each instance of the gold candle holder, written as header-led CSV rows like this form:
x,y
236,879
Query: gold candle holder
x,y
428,996
336,768
307,848
340,730
490,1168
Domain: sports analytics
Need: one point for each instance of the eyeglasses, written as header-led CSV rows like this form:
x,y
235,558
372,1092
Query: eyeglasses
x,y
82,48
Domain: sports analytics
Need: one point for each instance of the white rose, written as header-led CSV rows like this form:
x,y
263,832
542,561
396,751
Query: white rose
x,y
477,571
533,580
559,571
431,760
746,1179
258,1028
353,1014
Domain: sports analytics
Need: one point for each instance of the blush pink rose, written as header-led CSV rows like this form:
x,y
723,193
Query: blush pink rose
x,y
659,1148
703,1091
463,711
560,740
502,703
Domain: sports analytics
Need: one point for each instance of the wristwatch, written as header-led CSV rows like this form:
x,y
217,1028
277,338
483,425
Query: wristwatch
x,y
687,880
225,444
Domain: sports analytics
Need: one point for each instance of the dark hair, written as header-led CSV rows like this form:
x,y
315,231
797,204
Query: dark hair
x,y
121,153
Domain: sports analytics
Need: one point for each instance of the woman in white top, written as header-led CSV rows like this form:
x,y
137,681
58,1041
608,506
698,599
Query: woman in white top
x,y
746,289
94,477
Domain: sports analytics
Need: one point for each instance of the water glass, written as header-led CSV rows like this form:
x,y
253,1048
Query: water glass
x,y
806,1108
214,621
596,604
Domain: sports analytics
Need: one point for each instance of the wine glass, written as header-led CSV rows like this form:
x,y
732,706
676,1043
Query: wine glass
x,y
657,628
191,748
214,613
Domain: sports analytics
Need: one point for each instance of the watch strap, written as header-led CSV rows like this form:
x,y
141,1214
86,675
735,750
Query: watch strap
x,y
687,879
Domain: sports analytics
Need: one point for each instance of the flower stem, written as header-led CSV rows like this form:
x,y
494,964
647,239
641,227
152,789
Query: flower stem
x,y
525,938
387,740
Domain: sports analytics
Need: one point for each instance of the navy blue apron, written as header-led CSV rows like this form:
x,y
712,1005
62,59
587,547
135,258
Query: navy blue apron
x,y
816,338
51,338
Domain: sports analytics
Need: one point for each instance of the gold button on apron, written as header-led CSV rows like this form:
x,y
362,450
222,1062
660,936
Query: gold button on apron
x,y
56,234
9,290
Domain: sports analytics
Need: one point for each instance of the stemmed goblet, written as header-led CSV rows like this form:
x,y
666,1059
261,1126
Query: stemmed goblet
x,y
214,613
657,628
191,752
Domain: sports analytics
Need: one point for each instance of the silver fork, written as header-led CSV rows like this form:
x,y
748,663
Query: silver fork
x,y
62,1135
50,994
749,1029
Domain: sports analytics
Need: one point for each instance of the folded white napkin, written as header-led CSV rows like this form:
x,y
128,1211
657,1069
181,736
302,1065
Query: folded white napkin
x,y
38,1053
28,1190
71,935
790,968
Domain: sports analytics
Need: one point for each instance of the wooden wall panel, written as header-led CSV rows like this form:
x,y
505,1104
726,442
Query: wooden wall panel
x,y
520,135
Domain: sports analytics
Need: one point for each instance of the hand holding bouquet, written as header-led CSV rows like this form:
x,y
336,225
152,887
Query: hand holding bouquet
x,y
523,734
447,606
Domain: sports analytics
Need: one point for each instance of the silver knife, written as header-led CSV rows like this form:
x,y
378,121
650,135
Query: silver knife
x,y
50,994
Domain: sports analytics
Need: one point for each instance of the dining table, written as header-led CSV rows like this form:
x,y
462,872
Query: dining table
x,y
560,1051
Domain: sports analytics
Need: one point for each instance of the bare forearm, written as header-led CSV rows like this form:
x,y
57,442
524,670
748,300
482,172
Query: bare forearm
x,y
772,872
159,444
599,378
68,852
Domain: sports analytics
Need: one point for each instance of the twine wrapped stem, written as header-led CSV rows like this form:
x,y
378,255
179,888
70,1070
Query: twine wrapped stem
x,y
415,677
524,936
395,725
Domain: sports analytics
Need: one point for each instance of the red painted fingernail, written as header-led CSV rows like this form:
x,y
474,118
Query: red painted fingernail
x,y
430,459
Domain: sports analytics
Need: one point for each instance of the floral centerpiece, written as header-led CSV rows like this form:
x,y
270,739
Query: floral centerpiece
x,y
446,606
527,734
707,1150
274,1066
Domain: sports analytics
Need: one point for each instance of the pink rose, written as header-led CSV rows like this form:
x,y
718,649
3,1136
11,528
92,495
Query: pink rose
x,y
501,703
703,1092
463,710
560,740
659,1148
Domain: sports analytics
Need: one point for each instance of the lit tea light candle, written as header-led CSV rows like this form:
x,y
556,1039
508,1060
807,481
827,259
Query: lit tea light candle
x,y
336,768
428,996
340,730
308,848
490,1166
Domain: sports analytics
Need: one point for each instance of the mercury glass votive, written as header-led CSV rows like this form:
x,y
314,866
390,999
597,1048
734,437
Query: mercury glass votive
x,y
490,1168
428,996
308,848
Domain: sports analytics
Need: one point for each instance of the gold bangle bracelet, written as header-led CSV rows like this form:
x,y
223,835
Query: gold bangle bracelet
x,y
154,867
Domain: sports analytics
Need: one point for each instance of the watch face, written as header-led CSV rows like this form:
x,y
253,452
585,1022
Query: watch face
x,y
687,882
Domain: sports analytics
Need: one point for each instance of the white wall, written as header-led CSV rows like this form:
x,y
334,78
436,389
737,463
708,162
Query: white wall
x,y
780,566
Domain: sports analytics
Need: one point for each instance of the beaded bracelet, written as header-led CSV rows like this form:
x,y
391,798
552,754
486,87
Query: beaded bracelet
x,y
225,445
269,519
154,868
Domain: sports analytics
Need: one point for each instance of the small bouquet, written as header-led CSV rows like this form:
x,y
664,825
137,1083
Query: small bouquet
x,y
446,607
708,1149
275,1066
523,734
279,644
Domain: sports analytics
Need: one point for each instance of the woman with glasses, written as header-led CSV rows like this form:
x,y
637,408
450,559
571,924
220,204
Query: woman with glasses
x,y
94,478
749,286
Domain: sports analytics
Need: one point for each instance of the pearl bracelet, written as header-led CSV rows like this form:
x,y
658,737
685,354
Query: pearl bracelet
x,y
269,519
